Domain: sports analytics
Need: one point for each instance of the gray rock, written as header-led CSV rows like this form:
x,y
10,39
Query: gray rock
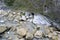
x,y
35,39
39,19
22,31
29,36
2,29
38,34
44,39
23,18
28,25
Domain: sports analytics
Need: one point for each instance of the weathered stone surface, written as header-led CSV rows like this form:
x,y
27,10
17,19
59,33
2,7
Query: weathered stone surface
x,y
29,36
2,29
38,34
39,19
22,31
28,25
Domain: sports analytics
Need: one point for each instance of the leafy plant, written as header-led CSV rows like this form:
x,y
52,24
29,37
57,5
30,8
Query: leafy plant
x,y
28,5
9,2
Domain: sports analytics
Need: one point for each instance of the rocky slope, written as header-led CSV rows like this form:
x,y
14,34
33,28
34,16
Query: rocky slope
x,y
49,8
23,25
19,25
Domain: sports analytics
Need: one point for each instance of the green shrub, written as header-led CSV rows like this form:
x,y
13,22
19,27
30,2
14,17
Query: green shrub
x,y
28,5
9,2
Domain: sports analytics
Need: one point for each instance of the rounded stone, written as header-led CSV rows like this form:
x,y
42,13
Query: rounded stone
x,y
38,34
55,34
29,36
22,31
55,37
50,35
23,18
2,29
2,12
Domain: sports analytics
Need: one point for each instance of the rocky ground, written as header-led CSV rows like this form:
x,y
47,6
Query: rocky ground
x,y
18,25
21,25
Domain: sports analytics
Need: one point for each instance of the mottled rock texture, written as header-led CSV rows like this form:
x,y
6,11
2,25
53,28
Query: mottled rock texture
x,y
19,25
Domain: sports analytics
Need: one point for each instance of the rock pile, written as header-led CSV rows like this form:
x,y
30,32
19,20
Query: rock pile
x,y
26,26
